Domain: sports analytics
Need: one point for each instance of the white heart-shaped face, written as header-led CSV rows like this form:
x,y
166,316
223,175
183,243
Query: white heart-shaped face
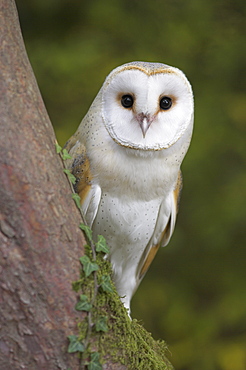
x,y
147,108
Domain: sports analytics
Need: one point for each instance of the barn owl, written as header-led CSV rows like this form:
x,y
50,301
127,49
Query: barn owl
x,y
126,157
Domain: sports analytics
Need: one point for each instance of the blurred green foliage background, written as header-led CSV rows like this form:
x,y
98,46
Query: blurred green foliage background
x,y
194,295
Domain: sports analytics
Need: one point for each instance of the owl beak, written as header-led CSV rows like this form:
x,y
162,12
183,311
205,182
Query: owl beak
x,y
144,121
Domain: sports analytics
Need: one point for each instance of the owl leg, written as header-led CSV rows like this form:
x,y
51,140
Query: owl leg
x,y
126,285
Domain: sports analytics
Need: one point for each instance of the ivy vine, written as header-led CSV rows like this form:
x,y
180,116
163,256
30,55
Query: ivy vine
x,y
102,283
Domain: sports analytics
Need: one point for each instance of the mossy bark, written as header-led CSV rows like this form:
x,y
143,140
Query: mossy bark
x,y
40,241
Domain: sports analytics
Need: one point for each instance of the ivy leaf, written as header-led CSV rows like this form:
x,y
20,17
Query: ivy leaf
x,y
83,304
101,324
58,148
71,177
75,345
76,285
94,364
77,199
106,284
65,155
88,266
87,231
101,245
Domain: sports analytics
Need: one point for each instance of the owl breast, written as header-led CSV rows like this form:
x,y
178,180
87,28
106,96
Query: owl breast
x,y
133,188
127,226
126,223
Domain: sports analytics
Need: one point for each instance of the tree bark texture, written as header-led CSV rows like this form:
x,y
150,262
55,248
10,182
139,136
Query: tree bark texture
x,y
40,241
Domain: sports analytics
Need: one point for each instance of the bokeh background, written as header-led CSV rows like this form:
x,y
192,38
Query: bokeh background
x,y
194,295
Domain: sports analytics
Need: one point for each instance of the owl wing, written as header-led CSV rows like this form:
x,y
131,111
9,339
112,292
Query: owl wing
x,y
163,230
79,165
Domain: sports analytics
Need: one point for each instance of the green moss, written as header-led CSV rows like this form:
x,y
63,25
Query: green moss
x,y
126,341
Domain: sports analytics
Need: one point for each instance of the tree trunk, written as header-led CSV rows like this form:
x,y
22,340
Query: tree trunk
x,y
40,241
39,235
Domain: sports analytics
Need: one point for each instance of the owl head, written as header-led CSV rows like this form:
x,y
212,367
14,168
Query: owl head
x,y
147,106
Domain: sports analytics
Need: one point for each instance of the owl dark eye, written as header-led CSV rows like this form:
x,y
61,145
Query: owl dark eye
x,y
127,101
165,103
